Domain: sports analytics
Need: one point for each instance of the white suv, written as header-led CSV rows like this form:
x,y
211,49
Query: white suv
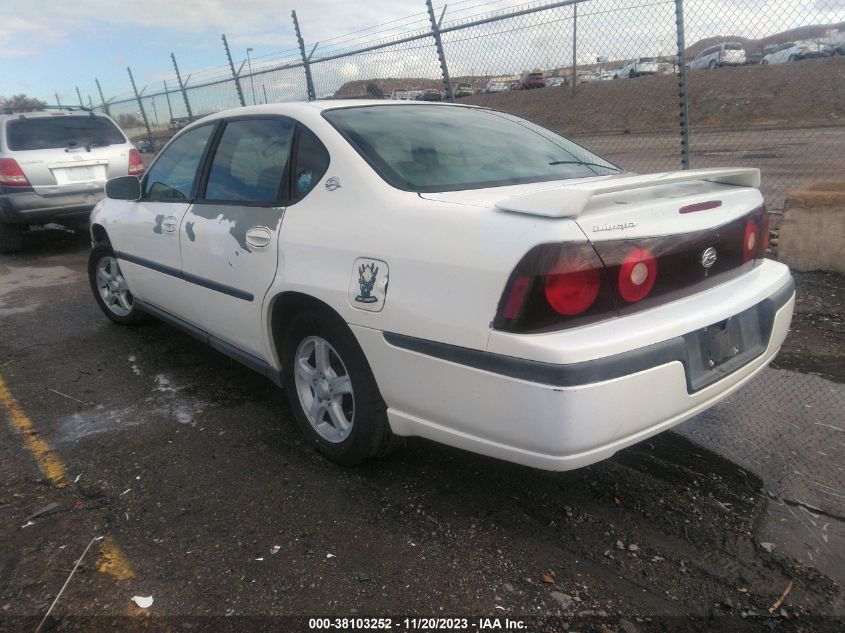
x,y
724,54
54,163
450,272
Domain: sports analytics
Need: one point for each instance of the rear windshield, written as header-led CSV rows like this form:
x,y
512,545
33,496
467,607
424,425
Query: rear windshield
x,y
535,76
647,59
450,148
733,47
61,131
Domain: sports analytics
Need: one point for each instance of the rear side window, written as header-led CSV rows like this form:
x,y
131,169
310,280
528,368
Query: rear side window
x,y
312,162
173,175
61,132
250,161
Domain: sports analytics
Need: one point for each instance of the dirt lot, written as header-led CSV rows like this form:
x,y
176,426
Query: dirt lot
x,y
192,469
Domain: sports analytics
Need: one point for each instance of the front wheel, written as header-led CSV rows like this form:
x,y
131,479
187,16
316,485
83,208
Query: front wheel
x,y
332,390
110,289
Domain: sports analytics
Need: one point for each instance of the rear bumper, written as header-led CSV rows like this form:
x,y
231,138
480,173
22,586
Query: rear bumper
x,y
28,207
562,416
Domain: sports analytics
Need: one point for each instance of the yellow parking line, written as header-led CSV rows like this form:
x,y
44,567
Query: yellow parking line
x,y
113,561
50,465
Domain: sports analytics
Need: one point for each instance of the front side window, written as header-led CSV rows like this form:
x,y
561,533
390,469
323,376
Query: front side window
x,y
449,148
61,131
173,176
312,161
250,160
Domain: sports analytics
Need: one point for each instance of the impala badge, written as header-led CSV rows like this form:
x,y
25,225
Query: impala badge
x,y
708,257
368,286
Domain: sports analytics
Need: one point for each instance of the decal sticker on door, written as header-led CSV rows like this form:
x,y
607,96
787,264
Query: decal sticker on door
x,y
368,286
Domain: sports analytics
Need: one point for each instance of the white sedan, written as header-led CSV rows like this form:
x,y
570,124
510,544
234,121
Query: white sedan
x,y
450,272
638,68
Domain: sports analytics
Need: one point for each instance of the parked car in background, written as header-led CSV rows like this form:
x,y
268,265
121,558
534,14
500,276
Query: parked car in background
x,y
54,163
463,89
531,80
555,81
795,51
724,54
638,68
486,283
837,43
429,94
497,86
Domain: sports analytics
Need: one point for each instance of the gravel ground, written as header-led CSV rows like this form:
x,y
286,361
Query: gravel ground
x,y
192,468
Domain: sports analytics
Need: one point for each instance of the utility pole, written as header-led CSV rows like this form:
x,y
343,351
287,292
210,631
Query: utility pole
x,y
234,74
140,105
79,96
682,84
182,87
264,88
306,59
441,55
251,78
102,98
58,103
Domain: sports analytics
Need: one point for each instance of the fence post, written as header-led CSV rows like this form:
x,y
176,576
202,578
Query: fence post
x,y
574,48
102,98
234,74
306,59
435,32
140,105
182,88
58,103
167,96
682,84
79,96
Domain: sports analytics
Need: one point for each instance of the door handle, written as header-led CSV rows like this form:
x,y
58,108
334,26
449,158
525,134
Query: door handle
x,y
258,236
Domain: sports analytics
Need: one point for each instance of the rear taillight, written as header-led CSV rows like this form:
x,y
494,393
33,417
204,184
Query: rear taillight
x,y
763,246
136,164
723,54
572,292
11,174
555,286
750,240
637,275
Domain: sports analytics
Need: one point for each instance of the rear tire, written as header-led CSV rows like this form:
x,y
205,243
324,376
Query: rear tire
x,y
109,287
792,59
713,64
336,401
11,238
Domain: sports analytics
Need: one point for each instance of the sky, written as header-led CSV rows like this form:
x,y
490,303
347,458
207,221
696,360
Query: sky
x,y
49,46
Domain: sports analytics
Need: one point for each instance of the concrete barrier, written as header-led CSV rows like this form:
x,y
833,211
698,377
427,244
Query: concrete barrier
x,y
812,231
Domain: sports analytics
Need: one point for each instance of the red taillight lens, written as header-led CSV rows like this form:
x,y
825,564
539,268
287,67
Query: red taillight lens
x,y
555,286
136,164
572,292
750,240
11,174
637,275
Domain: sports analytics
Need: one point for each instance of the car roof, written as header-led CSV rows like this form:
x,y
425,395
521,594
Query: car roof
x,y
39,114
294,108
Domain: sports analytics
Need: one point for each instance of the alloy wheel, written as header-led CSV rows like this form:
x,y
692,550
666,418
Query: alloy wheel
x,y
324,389
112,287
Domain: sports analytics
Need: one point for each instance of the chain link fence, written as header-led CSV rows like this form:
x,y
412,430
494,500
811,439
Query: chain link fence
x,y
763,81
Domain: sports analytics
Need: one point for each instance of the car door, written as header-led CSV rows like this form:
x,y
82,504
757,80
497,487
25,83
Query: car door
x,y
146,237
229,237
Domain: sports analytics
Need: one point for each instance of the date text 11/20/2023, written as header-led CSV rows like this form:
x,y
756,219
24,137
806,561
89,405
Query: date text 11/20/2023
x,y
417,624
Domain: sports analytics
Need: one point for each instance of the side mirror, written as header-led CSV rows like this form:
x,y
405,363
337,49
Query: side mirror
x,y
124,188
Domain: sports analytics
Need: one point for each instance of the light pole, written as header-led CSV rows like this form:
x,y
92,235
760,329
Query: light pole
x,y
251,79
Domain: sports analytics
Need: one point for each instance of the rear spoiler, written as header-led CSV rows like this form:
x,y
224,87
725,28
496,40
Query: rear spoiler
x,y
568,201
